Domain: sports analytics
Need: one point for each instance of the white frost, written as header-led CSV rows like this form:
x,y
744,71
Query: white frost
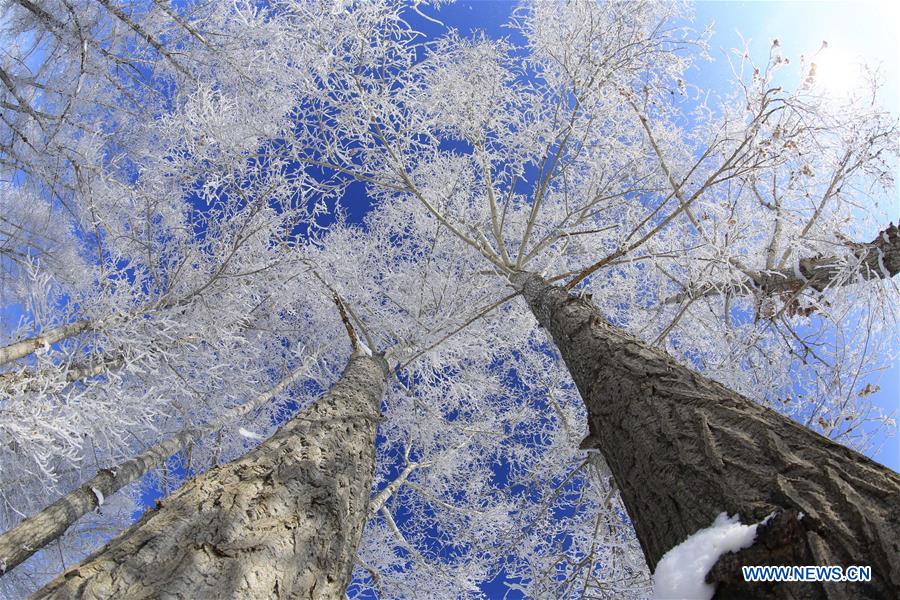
x,y
249,434
363,348
99,495
682,570
881,267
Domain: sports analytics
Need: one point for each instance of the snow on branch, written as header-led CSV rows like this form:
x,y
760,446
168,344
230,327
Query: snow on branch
x,y
681,573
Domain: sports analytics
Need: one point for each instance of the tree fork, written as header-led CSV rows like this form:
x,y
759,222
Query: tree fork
x,y
284,520
684,448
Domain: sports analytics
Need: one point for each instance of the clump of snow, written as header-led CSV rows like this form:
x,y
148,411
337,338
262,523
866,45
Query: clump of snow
x,y
881,267
249,434
681,572
99,496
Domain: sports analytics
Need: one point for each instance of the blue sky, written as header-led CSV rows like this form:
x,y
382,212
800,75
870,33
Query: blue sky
x,y
856,31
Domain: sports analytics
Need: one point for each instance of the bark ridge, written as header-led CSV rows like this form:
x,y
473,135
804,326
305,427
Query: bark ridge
x,y
684,448
283,521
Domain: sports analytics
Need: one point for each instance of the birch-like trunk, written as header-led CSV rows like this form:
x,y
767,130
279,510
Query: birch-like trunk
x,y
74,372
283,521
23,348
684,448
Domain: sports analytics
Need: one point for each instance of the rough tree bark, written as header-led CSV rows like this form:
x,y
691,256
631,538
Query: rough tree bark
x,y
282,521
38,530
684,448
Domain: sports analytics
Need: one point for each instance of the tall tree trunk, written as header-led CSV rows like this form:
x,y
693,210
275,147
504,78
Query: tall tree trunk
x,y
282,521
684,448
38,530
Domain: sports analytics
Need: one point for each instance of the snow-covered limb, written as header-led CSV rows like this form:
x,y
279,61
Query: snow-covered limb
x,y
98,496
246,433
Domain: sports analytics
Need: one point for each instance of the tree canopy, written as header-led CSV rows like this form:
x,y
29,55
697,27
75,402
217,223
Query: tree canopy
x,y
199,201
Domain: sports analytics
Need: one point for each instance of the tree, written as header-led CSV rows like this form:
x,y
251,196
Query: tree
x,y
725,231
124,301
611,160
29,536
478,466
481,432
107,356
284,519
621,188
684,448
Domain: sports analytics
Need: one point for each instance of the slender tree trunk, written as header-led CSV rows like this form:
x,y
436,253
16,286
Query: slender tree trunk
x,y
75,372
35,532
684,448
282,521
23,348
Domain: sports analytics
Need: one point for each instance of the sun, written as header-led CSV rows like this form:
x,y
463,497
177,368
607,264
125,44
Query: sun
x,y
837,72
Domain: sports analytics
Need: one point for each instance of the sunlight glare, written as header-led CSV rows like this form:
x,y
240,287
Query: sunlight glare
x,y
843,61
837,74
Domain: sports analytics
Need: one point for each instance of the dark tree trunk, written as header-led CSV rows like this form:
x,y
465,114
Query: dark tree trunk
x,y
684,448
283,521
